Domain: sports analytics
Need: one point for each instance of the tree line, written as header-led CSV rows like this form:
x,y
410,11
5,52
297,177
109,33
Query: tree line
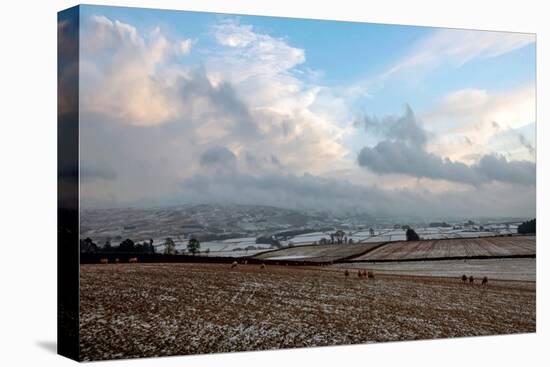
x,y
87,245
527,227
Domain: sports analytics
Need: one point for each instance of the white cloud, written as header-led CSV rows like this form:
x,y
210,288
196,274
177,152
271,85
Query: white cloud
x,y
245,99
231,33
263,71
249,57
467,120
120,73
457,47
108,34
184,46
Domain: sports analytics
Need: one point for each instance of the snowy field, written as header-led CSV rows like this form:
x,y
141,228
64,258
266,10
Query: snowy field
x,y
488,246
403,250
356,236
317,253
234,247
149,310
499,269
247,246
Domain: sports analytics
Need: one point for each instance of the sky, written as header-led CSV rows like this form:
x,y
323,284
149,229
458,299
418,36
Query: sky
x,y
186,107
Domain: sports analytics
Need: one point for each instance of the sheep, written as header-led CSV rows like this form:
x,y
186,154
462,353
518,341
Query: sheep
x,y
133,260
103,261
234,264
464,278
245,262
370,274
471,279
485,281
262,266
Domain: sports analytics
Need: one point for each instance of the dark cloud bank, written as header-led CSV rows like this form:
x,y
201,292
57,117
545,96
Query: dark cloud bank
x,y
337,195
404,152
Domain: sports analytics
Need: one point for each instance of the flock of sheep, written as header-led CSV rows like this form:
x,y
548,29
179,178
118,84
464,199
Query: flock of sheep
x,y
361,274
470,279
464,278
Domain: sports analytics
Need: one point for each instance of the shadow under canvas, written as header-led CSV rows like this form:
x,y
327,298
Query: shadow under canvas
x,y
48,345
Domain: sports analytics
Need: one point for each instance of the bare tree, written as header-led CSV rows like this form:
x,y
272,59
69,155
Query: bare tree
x,y
169,246
339,235
193,246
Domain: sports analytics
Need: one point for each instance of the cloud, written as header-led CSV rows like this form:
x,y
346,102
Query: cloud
x,y
498,168
231,33
291,191
108,34
403,152
262,163
263,71
90,172
249,54
526,143
458,47
152,116
394,157
121,69
218,156
245,95
463,108
404,128
212,109
481,116
245,126
184,46
336,195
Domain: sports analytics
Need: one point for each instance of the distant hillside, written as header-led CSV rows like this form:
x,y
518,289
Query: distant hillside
x,y
205,221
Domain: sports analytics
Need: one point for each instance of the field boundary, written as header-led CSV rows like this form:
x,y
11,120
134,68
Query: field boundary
x,y
350,257
87,258
115,257
476,257
312,245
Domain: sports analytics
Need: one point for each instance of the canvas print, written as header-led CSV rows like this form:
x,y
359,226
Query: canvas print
x,y
234,183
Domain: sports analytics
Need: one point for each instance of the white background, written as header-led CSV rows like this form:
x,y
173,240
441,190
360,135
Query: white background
x,y
28,183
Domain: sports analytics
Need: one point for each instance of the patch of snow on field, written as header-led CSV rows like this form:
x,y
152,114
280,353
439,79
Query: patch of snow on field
x,y
498,269
290,257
